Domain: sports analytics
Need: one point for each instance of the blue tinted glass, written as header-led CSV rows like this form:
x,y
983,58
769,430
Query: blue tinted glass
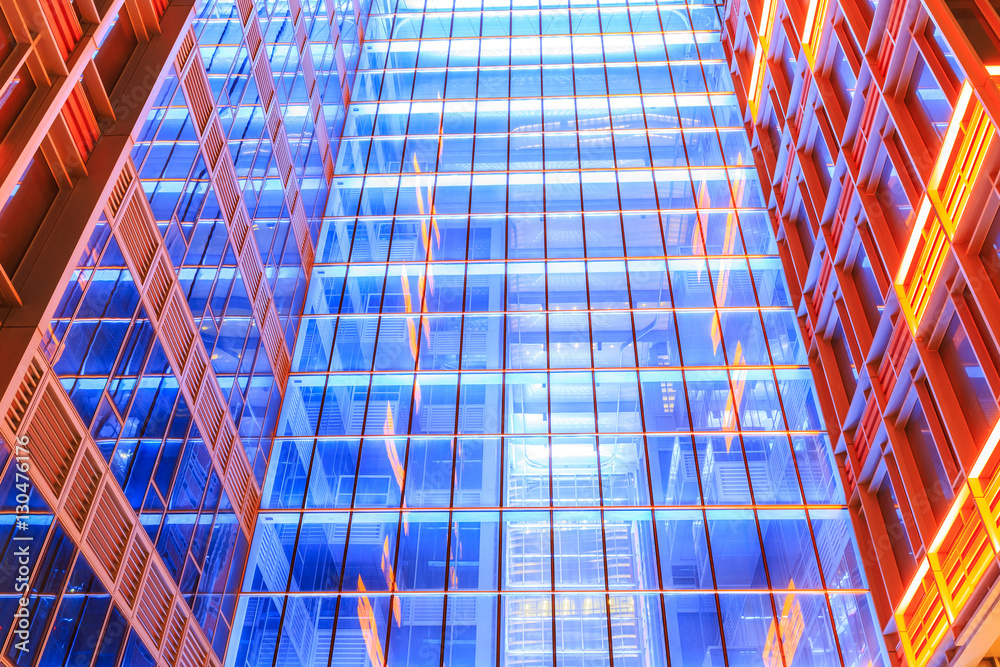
x,y
548,402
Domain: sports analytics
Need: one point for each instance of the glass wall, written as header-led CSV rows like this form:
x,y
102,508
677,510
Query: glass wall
x,y
549,404
117,375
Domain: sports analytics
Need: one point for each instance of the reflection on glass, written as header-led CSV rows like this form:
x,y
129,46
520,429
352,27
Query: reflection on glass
x,y
548,402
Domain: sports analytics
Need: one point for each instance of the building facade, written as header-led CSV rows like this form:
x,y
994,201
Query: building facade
x,y
872,126
410,332
547,403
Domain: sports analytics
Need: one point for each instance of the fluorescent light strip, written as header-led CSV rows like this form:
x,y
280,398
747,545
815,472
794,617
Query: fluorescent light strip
x,y
911,247
954,125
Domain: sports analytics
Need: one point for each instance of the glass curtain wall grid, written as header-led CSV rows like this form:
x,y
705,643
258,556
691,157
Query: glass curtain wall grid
x,y
548,401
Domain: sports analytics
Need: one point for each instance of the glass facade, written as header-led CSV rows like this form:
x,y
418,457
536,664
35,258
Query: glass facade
x,y
116,373
476,332
548,402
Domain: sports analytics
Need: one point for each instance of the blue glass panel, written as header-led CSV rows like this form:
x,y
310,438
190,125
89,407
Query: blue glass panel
x,y
664,402
268,565
692,623
423,551
319,552
736,549
840,558
772,470
414,640
477,472
531,617
305,640
533,415
856,626
370,549
473,557
429,471
788,547
723,470
259,617
811,643
798,394
744,339
685,562
701,342
470,631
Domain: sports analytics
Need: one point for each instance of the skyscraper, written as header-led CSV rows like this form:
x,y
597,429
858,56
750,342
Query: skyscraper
x,y
409,333
873,127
